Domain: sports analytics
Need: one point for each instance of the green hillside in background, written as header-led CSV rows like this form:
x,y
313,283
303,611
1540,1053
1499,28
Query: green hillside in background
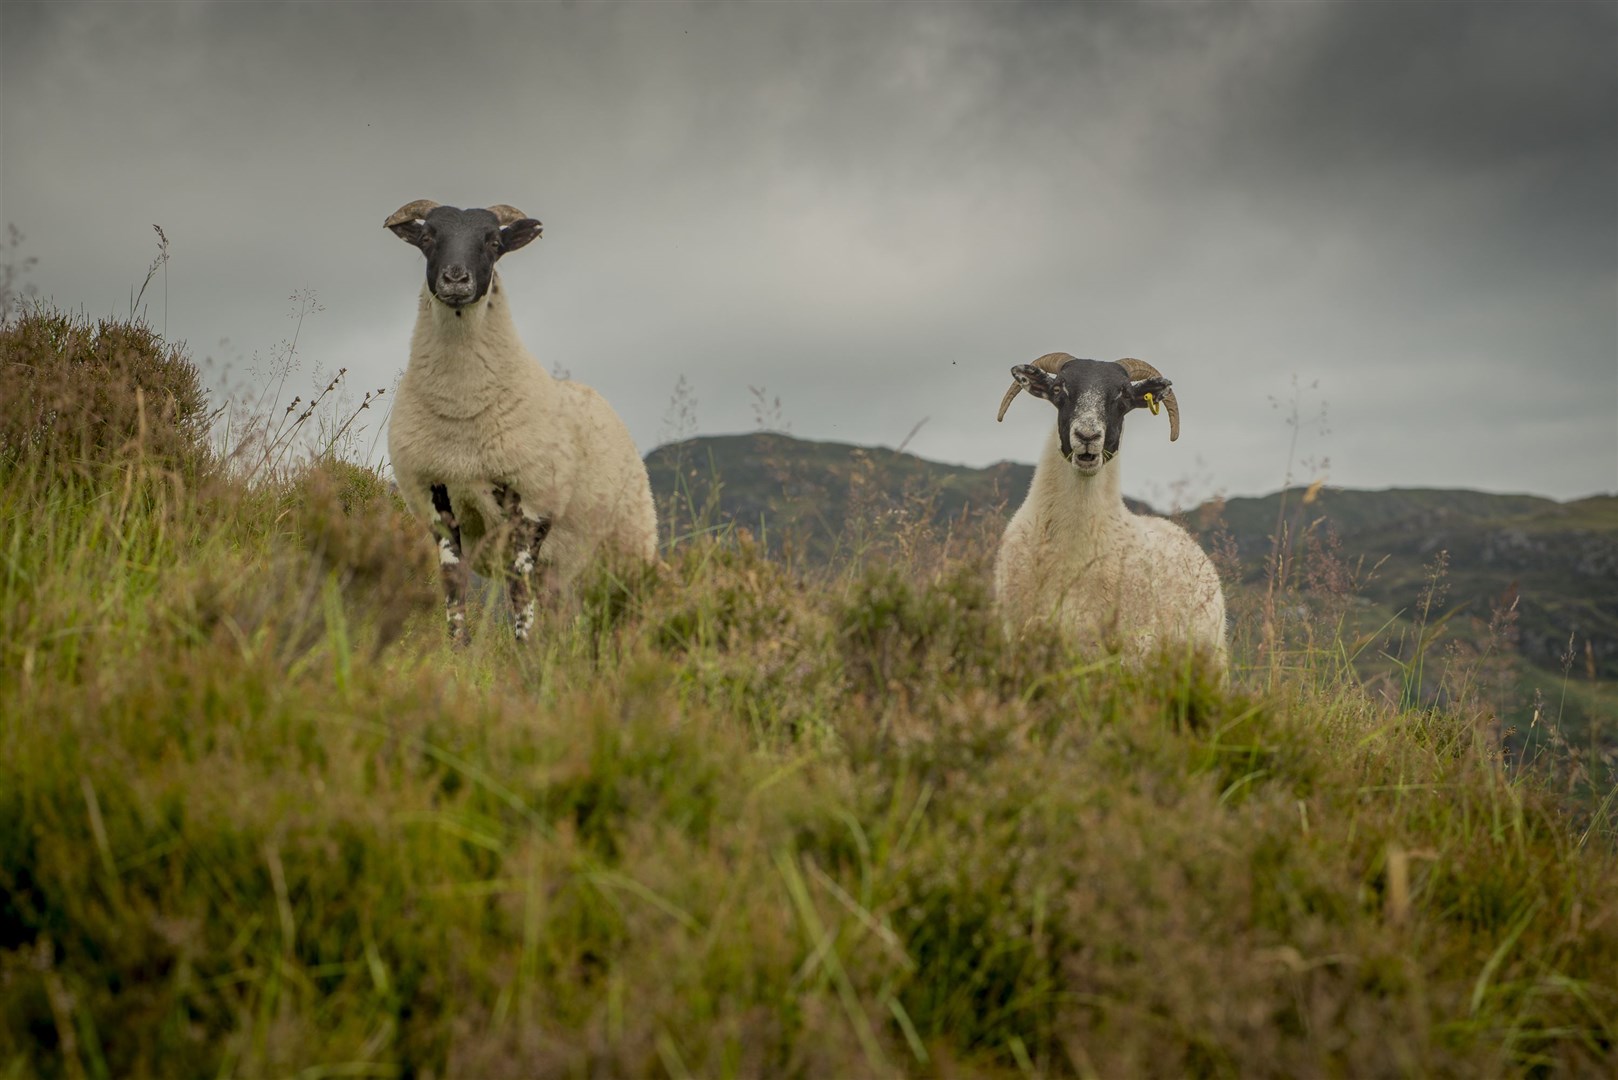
x,y
818,498
1560,560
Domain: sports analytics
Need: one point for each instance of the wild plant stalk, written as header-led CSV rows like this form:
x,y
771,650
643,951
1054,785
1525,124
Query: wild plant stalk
x,y
306,304
767,414
1497,641
15,290
288,427
336,437
269,439
163,254
1567,668
1279,564
382,423
1426,632
683,517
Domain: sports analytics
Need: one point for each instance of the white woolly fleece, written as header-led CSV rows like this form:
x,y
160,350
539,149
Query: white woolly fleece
x,y
475,410
1074,558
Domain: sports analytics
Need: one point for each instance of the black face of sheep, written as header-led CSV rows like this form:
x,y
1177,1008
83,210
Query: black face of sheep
x,y
462,246
1092,397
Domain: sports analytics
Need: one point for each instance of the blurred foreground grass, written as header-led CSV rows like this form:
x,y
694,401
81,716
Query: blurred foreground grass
x,y
725,818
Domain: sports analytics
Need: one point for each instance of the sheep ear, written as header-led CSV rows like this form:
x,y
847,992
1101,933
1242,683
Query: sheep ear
x,y
409,222
1040,383
1139,388
518,234
410,232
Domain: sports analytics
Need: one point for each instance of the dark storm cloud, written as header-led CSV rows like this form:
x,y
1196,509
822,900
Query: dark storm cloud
x,y
872,211
1444,86
1379,100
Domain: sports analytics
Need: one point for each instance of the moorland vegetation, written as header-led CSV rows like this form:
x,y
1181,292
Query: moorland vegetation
x,y
739,815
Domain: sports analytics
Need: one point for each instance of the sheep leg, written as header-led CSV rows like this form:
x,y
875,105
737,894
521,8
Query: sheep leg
x,y
451,566
527,534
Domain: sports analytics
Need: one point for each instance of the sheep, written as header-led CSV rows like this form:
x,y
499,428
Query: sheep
x,y
1074,559
487,446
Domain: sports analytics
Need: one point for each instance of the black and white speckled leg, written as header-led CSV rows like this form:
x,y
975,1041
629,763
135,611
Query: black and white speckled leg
x,y
451,566
522,556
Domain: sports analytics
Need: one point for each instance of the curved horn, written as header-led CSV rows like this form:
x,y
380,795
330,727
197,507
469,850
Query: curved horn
x,y
1140,369
410,211
1051,362
506,214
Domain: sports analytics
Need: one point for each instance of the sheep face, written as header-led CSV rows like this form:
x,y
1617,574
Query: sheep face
x,y
462,247
1092,397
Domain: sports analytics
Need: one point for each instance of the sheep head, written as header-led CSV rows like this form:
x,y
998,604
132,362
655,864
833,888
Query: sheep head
x,y
461,246
1092,397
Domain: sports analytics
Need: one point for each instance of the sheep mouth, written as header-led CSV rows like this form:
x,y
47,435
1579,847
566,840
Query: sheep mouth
x,y
1086,462
455,298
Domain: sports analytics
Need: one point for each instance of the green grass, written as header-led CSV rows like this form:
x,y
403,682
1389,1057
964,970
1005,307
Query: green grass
x,y
721,819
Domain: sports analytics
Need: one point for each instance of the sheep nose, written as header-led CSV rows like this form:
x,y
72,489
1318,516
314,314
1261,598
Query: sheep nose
x,y
1086,436
455,275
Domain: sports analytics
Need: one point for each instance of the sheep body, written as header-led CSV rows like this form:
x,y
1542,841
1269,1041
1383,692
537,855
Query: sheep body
x,y
1076,561
475,410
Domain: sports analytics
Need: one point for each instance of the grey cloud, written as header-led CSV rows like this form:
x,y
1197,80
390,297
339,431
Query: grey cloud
x,y
874,210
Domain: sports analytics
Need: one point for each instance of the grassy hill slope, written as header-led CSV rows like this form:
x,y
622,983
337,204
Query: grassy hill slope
x,y
726,817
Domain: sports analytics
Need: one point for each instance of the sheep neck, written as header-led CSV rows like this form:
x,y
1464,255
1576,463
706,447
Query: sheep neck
x,y
1075,505
466,360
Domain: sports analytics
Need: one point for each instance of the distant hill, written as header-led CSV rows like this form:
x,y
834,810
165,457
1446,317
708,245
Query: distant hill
x,y
780,486
1560,560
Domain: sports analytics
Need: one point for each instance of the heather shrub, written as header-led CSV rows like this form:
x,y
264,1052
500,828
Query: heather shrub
x,y
80,394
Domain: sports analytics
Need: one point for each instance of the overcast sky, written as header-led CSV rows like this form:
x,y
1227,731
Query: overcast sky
x,y
871,211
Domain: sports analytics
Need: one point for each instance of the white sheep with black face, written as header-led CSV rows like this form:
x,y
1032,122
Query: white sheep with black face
x,y
482,437
1074,558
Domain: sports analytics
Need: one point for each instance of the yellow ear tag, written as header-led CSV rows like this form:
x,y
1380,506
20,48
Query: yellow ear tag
x,y
1151,402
